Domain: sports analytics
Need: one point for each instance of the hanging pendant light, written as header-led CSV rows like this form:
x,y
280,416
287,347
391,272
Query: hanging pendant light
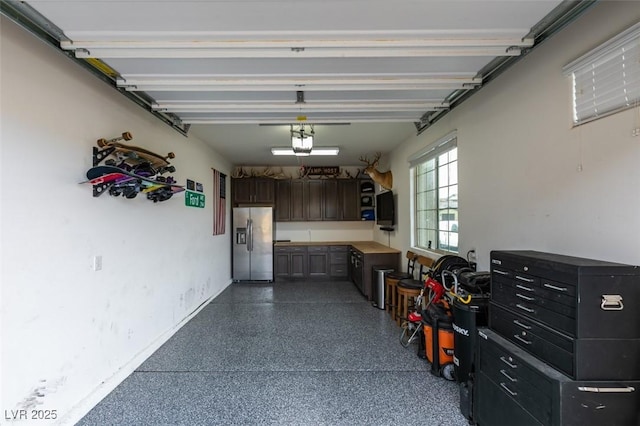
x,y
301,139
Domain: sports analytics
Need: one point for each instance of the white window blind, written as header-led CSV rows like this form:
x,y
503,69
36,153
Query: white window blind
x,y
607,79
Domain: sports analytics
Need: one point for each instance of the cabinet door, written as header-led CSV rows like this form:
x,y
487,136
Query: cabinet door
x,y
314,204
349,193
298,264
264,192
330,195
242,190
298,200
282,262
318,261
283,201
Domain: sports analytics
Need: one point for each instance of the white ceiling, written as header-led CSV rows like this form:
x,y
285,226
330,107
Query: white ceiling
x,y
239,71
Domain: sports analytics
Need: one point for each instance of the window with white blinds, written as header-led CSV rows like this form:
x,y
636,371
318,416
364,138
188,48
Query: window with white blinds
x,y
607,79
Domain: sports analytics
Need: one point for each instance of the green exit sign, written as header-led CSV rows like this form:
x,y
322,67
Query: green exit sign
x,y
193,199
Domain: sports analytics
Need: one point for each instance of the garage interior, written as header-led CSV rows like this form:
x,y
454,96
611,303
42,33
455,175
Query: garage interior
x,y
104,295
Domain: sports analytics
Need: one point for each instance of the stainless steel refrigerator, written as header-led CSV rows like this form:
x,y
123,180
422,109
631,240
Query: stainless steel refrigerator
x,y
253,244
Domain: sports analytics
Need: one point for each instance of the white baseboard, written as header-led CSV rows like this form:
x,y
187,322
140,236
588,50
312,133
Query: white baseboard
x,y
108,385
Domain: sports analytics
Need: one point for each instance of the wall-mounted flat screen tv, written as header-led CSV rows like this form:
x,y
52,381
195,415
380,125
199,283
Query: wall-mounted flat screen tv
x,y
385,209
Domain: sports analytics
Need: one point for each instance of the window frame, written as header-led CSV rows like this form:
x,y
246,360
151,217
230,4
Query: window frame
x,y
432,153
610,75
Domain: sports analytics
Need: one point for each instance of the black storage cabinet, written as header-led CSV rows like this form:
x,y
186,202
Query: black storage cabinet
x,y
581,316
515,388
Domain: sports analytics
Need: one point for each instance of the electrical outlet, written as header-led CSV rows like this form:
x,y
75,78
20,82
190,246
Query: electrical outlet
x,y
472,255
635,132
97,263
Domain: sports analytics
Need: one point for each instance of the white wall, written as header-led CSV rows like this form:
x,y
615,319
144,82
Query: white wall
x,y
66,328
528,180
325,231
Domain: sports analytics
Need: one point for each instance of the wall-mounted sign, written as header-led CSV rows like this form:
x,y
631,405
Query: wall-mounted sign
x,y
193,199
323,171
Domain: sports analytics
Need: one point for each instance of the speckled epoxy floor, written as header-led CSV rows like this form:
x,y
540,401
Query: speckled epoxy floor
x,y
299,353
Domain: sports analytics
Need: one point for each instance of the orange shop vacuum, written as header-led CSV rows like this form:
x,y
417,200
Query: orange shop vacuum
x,y
437,324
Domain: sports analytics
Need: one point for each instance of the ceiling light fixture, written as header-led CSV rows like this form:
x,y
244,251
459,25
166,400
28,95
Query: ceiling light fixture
x,y
301,140
315,151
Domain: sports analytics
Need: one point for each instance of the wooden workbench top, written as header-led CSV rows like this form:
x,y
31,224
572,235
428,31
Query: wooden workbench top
x,y
366,247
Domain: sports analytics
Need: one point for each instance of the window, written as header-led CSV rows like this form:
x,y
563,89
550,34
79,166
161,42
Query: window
x,y
435,195
607,79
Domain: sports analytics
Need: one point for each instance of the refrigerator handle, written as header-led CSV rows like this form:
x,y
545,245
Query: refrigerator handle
x,y
249,234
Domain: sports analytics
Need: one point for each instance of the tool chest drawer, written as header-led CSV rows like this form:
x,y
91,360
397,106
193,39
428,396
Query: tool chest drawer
x,y
584,359
583,298
514,387
559,317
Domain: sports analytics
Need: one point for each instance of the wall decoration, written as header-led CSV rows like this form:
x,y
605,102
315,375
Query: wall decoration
x,y
191,185
323,171
198,187
194,199
384,179
252,172
219,202
129,170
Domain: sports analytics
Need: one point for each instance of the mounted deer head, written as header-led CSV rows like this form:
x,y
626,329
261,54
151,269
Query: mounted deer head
x,y
383,179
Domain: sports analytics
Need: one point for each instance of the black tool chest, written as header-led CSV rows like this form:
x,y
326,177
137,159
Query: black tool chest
x,y
514,388
576,323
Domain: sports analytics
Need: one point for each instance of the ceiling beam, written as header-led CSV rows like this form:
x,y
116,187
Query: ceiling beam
x,y
297,83
291,107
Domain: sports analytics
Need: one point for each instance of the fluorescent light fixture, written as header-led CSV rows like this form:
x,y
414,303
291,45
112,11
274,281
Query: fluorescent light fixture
x,y
315,151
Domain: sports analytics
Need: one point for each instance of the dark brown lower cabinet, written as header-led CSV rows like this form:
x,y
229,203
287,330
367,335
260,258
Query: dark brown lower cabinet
x,y
362,264
318,261
311,262
290,262
339,262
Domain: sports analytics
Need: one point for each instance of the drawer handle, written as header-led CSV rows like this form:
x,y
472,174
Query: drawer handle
x,y
524,308
526,327
627,389
505,374
498,271
506,361
527,298
554,287
527,280
504,386
612,302
526,342
521,287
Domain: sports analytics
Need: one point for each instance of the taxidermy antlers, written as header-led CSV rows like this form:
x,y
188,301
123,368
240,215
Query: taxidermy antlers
x,y
383,179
